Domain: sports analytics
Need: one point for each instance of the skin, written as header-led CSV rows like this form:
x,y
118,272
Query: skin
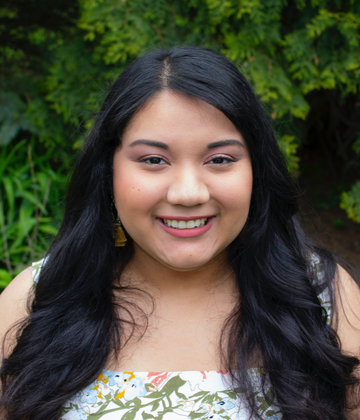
x,y
188,179
190,282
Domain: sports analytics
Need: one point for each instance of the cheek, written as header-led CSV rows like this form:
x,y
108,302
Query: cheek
x,y
133,194
236,195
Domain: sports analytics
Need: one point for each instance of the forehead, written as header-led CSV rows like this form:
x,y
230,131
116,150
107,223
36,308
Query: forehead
x,y
171,116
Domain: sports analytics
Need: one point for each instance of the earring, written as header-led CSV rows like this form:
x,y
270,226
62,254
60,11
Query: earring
x,y
119,234
118,231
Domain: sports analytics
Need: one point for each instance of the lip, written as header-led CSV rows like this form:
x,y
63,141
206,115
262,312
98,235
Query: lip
x,y
186,233
185,218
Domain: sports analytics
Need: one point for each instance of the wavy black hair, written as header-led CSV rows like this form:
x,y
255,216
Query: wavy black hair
x,y
73,328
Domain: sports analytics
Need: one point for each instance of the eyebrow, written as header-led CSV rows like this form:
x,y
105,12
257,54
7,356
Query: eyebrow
x,y
225,143
166,147
150,143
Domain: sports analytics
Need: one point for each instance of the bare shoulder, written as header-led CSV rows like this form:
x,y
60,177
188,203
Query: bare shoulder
x,y
13,301
347,296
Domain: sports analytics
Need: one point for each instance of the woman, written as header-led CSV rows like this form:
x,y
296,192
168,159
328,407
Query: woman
x,y
212,304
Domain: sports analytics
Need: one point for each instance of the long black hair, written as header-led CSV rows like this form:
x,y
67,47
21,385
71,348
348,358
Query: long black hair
x,y
73,326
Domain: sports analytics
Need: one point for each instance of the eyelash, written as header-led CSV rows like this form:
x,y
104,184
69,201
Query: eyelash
x,y
152,157
227,159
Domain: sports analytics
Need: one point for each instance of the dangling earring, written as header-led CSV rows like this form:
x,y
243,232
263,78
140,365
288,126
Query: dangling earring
x,y
118,232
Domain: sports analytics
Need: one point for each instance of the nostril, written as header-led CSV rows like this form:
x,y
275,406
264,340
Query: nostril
x,y
188,194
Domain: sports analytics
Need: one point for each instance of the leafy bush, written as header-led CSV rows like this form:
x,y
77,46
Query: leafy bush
x,y
31,193
287,49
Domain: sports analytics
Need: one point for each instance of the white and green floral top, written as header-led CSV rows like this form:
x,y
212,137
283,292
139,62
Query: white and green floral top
x,y
170,395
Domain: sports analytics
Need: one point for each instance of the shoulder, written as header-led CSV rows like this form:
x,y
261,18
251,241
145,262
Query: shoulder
x,y
347,319
13,301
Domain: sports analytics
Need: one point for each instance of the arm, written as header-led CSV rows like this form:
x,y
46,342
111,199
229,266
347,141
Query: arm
x,y
347,322
13,306
347,296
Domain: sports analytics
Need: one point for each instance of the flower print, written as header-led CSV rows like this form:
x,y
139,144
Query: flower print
x,y
185,405
159,379
213,383
122,381
206,407
103,378
102,385
118,378
224,404
203,374
90,396
191,378
214,417
135,388
74,415
195,382
208,398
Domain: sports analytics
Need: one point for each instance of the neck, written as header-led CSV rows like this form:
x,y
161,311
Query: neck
x,y
165,282
192,304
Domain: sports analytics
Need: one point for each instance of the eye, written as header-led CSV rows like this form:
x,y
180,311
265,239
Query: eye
x,y
221,160
154,160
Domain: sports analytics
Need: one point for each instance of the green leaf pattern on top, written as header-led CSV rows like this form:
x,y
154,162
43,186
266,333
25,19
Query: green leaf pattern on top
x,y
165,396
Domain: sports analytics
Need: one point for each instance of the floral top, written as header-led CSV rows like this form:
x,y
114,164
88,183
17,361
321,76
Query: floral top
x,y
171,395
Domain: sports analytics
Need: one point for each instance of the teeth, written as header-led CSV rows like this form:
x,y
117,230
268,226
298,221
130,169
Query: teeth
x,y
190,224
182,224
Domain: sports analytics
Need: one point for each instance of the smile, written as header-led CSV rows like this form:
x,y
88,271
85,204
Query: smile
x,y
185,224
188,228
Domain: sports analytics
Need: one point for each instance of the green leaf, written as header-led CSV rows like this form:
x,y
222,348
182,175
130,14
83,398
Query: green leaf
x,y
350,202
194,415
356,145
5,278
30,197
147,416
49,229
10,196
130,415
288,146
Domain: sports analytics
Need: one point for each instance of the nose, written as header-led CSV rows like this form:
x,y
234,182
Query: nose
x,y
187,188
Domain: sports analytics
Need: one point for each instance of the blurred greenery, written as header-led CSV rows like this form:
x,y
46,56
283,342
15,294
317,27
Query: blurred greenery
x,y
31,194
56,63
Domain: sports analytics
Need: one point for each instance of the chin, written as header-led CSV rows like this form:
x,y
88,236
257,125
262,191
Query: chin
x,y
186,266
188,263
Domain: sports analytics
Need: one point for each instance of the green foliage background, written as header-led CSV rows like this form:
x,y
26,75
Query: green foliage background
x,y
57,62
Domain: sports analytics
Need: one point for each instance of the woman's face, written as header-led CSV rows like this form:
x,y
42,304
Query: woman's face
x,y
182,181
